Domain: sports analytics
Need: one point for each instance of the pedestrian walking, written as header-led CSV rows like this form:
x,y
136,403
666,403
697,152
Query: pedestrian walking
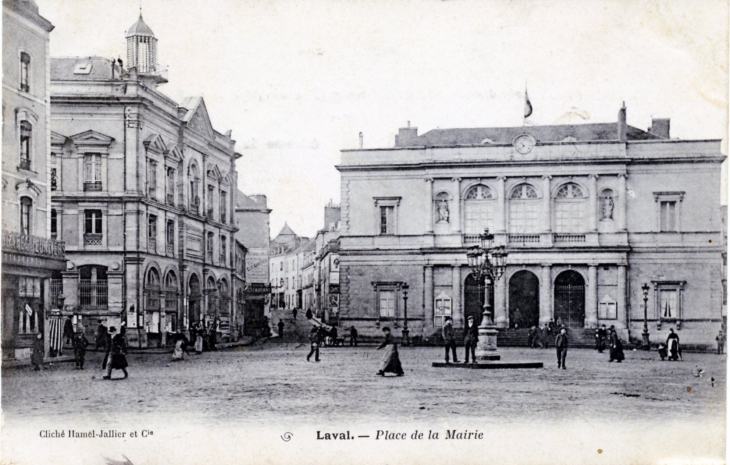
x,y
601,335
280,325
116,355
198,335
181,348
662,349
449,340
471,336
391,360
315,339
532,336
544,336
561,347
102,337
79,344
294,313
309,314
36,357
551,327
616,348
559,323
673,345
721,342
212,337
68,331
353,336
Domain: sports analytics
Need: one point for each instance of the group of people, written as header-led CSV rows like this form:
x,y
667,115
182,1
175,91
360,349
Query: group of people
x,y
471,337
539,337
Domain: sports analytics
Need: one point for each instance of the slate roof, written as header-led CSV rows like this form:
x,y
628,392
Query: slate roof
x,y
140,28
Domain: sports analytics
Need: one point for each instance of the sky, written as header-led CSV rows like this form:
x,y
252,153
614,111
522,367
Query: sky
x,y
297,81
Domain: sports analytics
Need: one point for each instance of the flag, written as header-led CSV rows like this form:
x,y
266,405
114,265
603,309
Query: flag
x,y
28,310
528,105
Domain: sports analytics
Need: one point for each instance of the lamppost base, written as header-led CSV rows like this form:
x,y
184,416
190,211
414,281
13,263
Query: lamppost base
x,y
487,344
645,341
406,341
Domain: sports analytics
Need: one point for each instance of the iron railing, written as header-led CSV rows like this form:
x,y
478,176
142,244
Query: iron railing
x,y
56,290
92,186
565,238
524,238
33,245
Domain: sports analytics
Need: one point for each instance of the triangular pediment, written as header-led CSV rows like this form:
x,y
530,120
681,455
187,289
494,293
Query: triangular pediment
x,y
57,140
92,137
155,143
215,173
197,116
227,179
175,154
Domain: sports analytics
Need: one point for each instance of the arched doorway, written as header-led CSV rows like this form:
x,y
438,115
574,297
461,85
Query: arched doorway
x,y
524,300
474,299
194,300
570,299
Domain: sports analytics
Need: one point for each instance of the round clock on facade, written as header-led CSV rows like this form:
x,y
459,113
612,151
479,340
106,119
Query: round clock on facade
x,y
524,143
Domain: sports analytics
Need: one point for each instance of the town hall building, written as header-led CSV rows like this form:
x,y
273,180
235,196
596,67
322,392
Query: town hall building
x,y
588,213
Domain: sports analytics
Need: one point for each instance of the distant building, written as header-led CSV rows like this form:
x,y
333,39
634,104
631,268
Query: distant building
x,y
285,268
30,255
588,213
252,288
327,263
144,197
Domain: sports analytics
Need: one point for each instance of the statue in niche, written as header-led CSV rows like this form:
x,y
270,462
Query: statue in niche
x,y
607,208
442,208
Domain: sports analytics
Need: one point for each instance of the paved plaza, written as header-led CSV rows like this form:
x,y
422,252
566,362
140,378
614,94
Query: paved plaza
x,y
275,383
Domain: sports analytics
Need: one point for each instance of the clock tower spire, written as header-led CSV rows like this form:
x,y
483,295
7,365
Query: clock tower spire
x,y
142,50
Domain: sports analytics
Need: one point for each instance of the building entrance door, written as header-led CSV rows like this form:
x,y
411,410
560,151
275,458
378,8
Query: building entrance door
x,y
474,299
524,300
570,299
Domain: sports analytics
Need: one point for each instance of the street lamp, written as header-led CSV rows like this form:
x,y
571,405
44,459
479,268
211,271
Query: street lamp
x,y
406,340
645,332
488,262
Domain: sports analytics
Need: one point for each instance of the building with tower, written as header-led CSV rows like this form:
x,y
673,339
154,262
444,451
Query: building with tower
x,y
589,213
144,198
30,255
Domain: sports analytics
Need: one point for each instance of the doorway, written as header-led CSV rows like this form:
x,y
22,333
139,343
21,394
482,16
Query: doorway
x,y
570,299
474,299
524,300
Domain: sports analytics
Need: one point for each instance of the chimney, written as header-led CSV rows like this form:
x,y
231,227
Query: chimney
x,y
361,140
622,123
407,136
331,215
660,127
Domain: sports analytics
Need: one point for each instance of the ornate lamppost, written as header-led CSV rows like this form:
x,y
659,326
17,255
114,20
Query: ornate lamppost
x,y
488,262
645,332
406,340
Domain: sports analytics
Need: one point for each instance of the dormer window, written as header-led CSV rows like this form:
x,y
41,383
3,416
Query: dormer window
x,y
24,72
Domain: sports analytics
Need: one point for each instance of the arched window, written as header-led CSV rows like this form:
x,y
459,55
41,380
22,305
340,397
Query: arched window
x,y
478,209
24,72
212,290
26,212
26,133
606,202
570,209
524,210
194,181
152,290
171,300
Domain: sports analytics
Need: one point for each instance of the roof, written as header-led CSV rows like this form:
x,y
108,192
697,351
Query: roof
x,y
286,231
83,69
140,28
245,202
505,135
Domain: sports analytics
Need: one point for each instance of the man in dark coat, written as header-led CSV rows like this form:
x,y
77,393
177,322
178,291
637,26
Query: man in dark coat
x,y
116,354
79,345
280,325
544,336
561,347
353,336
471,336
314,339
309,314
532,337
449,340
102,337
294,313
601,339
616,349
68,331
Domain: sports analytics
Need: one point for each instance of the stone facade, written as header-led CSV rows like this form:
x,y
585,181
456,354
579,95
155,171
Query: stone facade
x,y
588,213
145,198
30,256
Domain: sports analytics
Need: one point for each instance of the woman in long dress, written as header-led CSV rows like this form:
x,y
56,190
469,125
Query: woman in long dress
x,y
180,348
616,351
198,341
391,361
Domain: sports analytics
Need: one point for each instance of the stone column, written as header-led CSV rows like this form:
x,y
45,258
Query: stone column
x,y
457,312
621,298
591,318
428,297
456,216
593,205
546,285
501,206
431,208
546,204
501,316
620,209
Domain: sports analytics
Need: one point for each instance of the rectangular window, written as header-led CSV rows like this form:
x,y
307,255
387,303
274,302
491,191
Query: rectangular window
x,y
569,216
54,179
26,207
668,303
26,131
524,217
54,222
478,215
387,304
223,209
92,222
151,178
209,247
668,216
24,72
170,186
152,232
224,247
170,232
210,201
92,172
386,220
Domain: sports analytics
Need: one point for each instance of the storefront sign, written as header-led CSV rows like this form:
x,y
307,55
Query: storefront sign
x,y
257,266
